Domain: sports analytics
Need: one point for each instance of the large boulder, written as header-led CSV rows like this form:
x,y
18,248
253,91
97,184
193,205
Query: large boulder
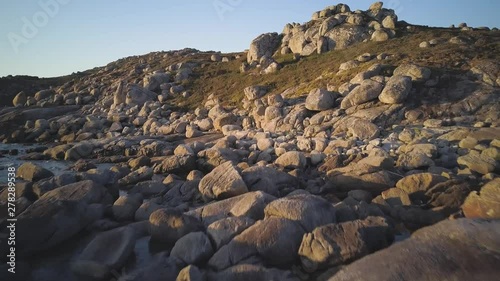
x,y
361,176
264,240
486,204
479,162
336,244
269,180
320,99
58,215
223,182
417,185
417,73
309,211
137,95
255,92
176,165
461,250
264,45
193,248
169,225
108,251
250,205
20,99
162,267
152,82
292,159
31,172
223,231
368,90
341,37
125,206
396,90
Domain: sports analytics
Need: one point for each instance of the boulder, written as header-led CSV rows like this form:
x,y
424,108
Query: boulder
x,y
478,162
20,99
417,185
58,215
176,165
107,252
145,210
193,248
368,90
380,35
169,225
264,45
361,177
309,211
292,159
250,205
396,90
162,267
263,240
137,95
125,206
31,172
223,231
142,174
417,73
486,204
445,251
269,180
152,82
255,92
320,99
337,244
223,182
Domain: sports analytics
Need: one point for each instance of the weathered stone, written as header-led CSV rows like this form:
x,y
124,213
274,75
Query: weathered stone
x,y
125,206
96,263
32,172
478,163
460,258
193,248
486,204
264,45
169,225
396,90
223,231
308,210
57,216
417,73
264,240
292,159
320,99
223,182
367,91
417,185
336,244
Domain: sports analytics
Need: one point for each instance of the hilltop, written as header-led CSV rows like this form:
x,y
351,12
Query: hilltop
x,y
328,151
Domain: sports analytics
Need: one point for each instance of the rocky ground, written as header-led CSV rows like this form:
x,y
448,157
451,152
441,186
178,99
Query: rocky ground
x,y
351,147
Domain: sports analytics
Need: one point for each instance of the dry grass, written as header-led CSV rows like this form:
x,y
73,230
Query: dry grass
x,y
226,82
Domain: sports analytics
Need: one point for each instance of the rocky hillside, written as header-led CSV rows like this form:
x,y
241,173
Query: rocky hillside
x,y
327,152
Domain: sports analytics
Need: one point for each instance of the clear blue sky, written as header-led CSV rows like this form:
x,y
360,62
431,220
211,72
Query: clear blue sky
x,y
84,34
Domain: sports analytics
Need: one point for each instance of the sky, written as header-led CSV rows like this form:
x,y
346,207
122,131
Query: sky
x,y
49,38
